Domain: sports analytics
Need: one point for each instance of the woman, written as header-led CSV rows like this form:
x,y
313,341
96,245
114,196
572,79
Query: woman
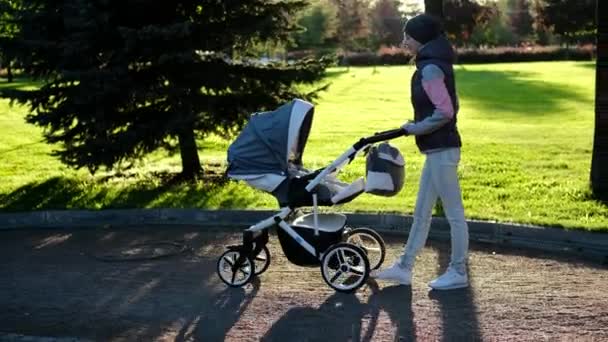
x,y
435,103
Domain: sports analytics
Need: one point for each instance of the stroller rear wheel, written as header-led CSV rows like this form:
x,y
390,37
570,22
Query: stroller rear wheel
x,y
235,268
371,242
345,267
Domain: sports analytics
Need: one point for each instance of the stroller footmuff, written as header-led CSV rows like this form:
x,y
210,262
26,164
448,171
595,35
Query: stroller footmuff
x,y
268,156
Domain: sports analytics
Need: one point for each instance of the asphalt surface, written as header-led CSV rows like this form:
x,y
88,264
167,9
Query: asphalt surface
x,y
62,285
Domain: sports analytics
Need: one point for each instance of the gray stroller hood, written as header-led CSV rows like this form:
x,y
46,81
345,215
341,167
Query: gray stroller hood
x,y
269,144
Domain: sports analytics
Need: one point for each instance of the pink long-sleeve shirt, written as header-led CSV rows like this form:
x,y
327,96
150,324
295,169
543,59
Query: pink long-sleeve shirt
x,y
433,82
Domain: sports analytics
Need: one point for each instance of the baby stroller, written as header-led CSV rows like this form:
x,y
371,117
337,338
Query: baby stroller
x,y
268,156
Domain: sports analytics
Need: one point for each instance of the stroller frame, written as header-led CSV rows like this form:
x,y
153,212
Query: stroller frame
x,y
255,237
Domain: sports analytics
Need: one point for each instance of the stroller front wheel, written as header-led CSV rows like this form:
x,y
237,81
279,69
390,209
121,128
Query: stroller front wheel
x,y
235,268
345,267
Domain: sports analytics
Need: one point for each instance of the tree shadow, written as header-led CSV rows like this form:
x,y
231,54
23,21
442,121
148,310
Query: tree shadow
x,y
566,257
58,193
335,73
228,307
458,309
514,92
53,193
131,301
588,65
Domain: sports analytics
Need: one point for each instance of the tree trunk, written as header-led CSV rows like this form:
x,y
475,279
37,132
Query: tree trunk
x,y
191,164
434,7
599,161
9,72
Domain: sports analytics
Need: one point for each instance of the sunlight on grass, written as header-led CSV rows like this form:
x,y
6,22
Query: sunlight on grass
x,y
527,131
18,84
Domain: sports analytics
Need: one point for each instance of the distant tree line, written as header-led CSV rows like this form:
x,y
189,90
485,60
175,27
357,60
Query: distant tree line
x,y
366,25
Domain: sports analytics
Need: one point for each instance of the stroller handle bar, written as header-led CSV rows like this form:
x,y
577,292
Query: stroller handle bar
x,y
380,136
352,151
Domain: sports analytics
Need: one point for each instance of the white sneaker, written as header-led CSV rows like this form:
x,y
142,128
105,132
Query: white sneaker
x,y
394,273
450,280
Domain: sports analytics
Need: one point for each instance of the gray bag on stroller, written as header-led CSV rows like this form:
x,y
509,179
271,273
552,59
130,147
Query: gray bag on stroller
x,y
385,170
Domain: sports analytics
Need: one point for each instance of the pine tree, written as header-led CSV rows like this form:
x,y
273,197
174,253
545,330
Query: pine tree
x,y
353,23
434,7
520,18
319,24
541,29
569,17
387,22
8,29
124,78
463,16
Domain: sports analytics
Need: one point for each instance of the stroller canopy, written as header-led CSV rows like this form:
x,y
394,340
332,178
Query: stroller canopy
x,y
268,143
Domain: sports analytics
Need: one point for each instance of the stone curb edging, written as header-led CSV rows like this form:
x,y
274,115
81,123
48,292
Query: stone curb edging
x,y
573,242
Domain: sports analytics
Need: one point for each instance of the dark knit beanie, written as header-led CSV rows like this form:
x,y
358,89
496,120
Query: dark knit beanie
x,y
423,28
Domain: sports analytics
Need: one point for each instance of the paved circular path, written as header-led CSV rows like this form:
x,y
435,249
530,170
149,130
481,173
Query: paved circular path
x,y
52,287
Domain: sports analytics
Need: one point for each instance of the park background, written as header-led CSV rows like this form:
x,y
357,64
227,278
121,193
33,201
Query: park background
x,y
525,71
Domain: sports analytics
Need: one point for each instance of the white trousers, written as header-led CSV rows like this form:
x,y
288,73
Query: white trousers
x,y
439,179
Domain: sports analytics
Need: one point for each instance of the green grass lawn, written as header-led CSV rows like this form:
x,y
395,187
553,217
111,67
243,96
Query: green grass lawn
x,y
527,132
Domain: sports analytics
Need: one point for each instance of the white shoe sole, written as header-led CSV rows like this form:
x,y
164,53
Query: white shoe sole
x,y
450,287
393,280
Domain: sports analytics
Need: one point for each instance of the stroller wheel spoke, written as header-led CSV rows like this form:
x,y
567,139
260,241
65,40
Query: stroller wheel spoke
x,y
245,273
336,276
341,257
228,261
358,270
233,277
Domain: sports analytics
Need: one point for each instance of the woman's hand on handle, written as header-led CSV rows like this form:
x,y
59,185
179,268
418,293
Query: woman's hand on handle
x,y
406,125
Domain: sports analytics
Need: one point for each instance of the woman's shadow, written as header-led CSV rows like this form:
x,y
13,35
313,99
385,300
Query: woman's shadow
x,y
396,301
343,317
458,308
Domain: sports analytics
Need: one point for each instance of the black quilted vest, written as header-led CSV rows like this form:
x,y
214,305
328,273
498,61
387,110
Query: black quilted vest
x,y
440,53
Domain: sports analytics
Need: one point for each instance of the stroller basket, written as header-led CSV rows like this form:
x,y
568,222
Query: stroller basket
x,y
331,228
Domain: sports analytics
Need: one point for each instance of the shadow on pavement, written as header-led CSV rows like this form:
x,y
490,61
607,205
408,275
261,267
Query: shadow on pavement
x,y
458,309
70,293
337,319
397,302
51,286
343,317
228,306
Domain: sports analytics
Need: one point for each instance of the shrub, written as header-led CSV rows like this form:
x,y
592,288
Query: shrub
x,y
396,56
524,54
